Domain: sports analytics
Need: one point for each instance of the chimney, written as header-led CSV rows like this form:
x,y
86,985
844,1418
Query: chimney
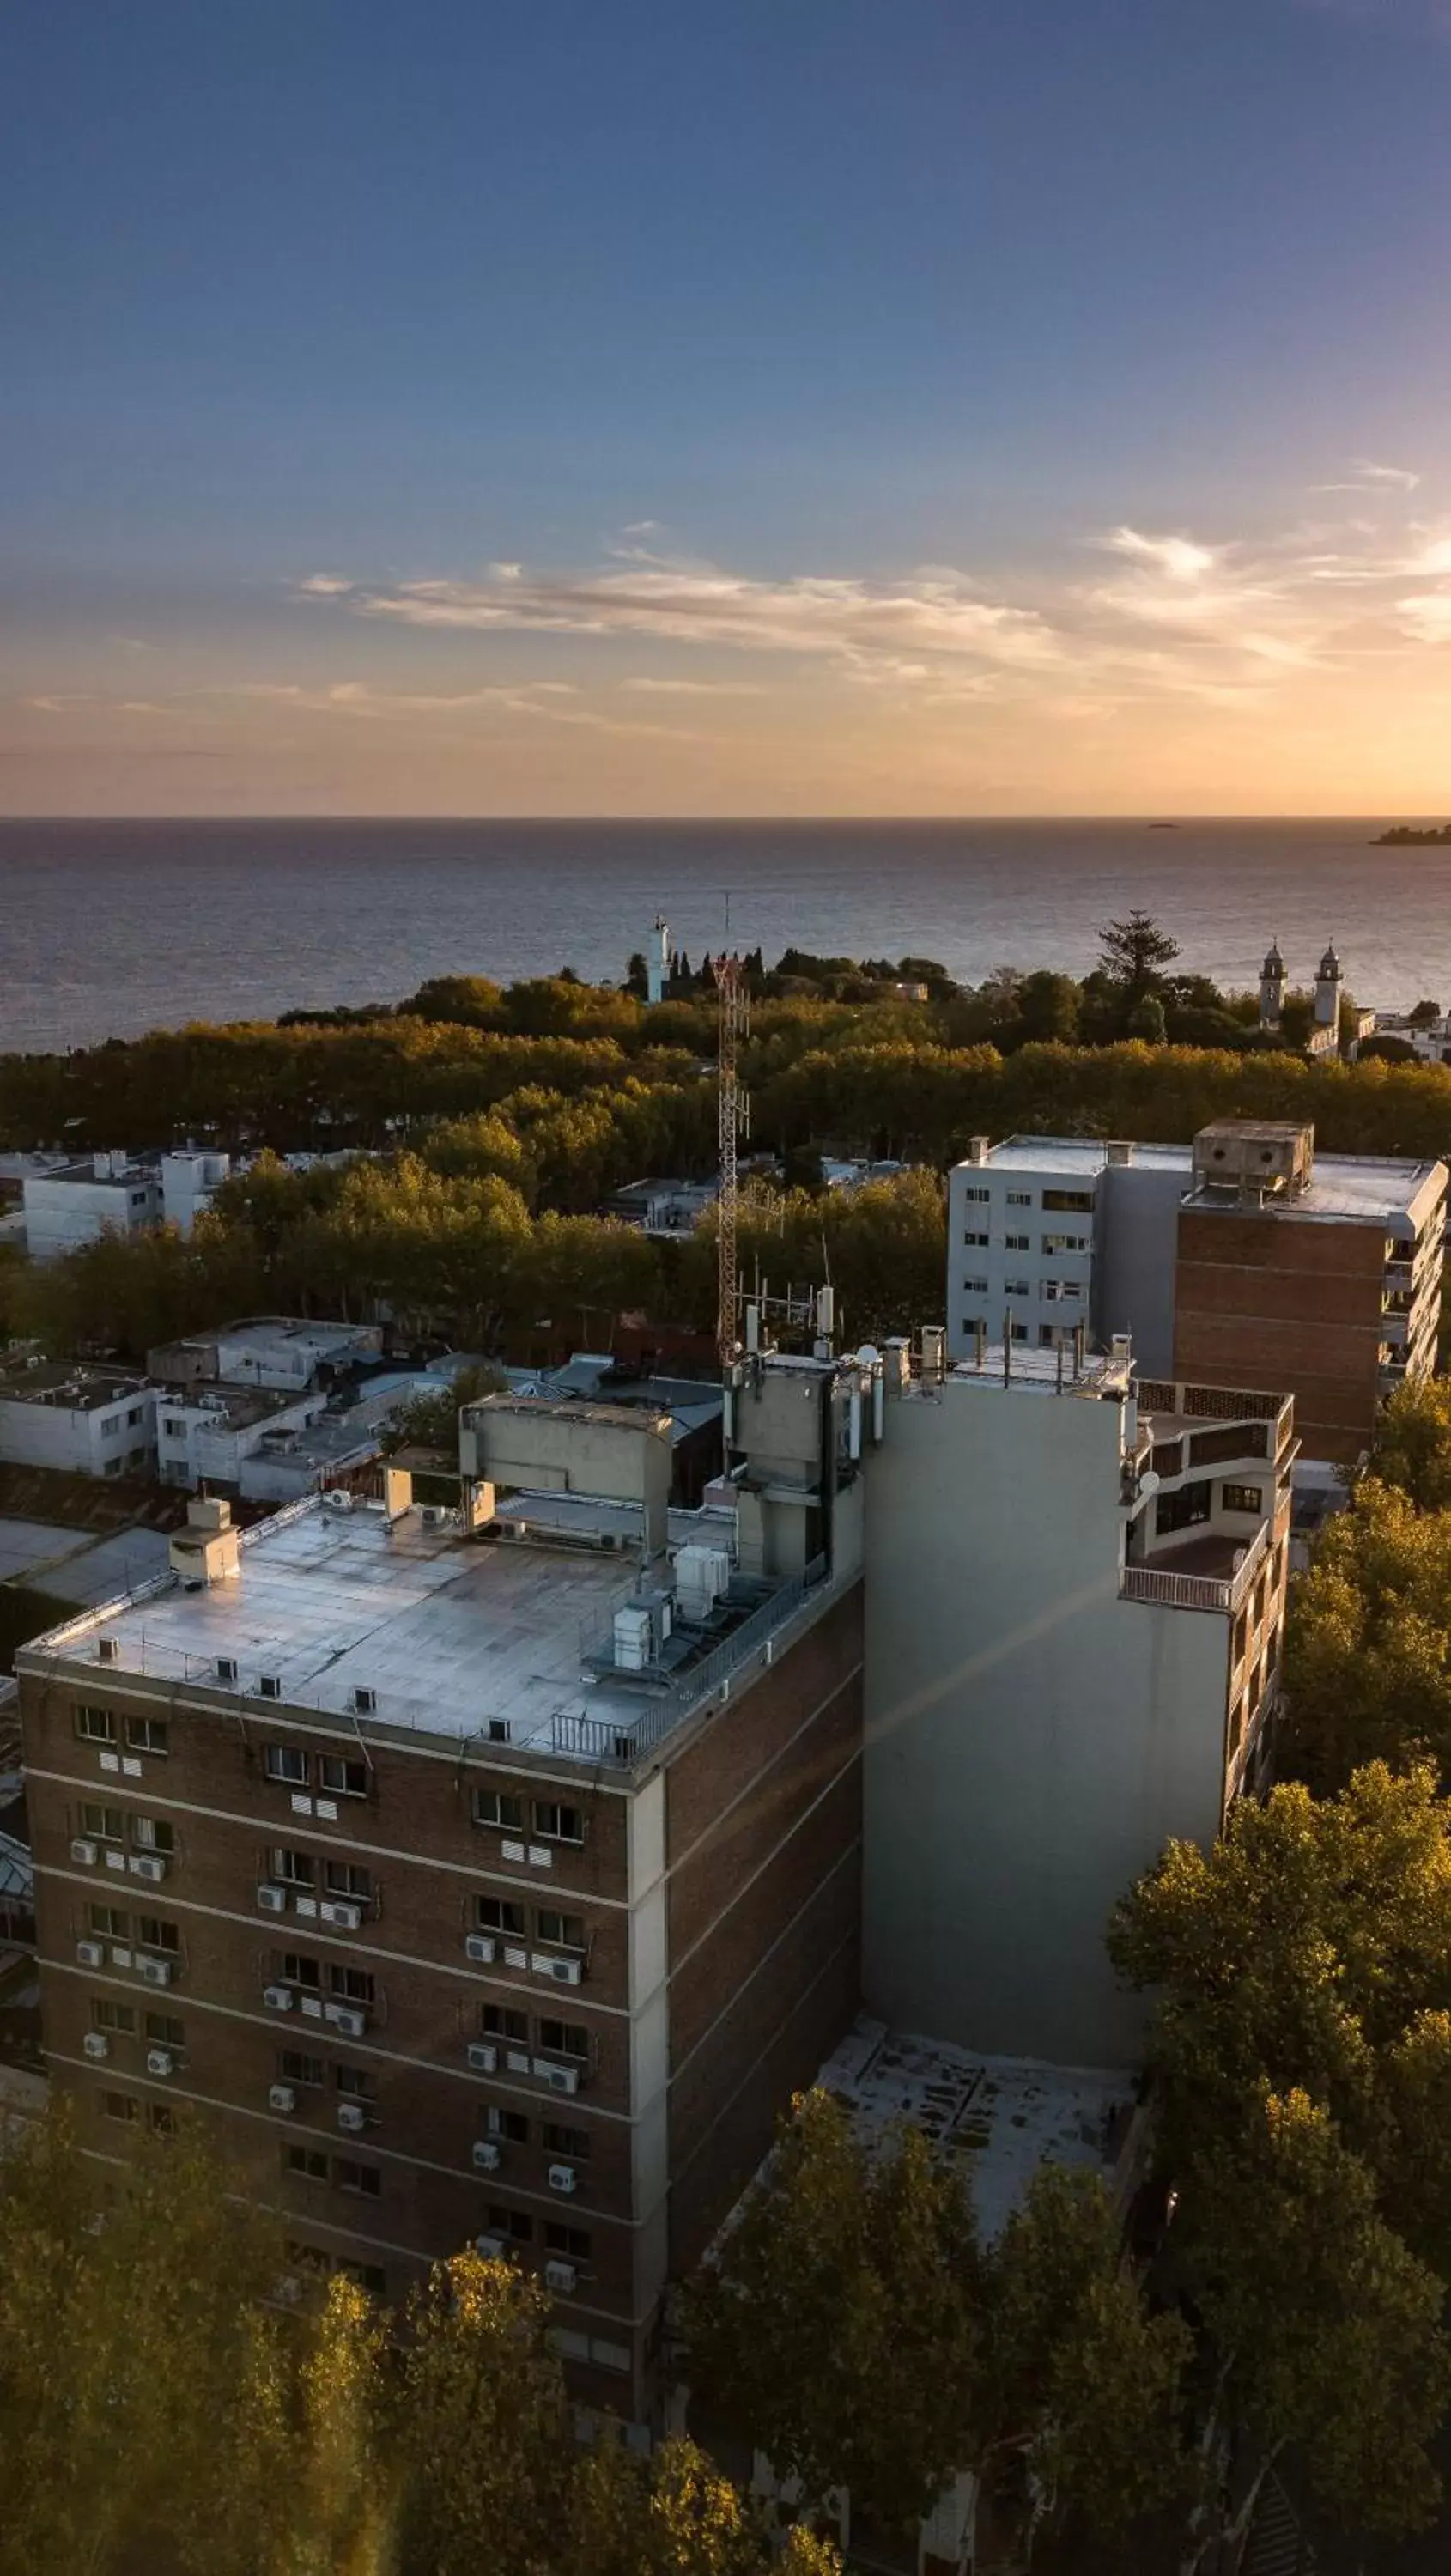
x,y
1120,1149
978,1149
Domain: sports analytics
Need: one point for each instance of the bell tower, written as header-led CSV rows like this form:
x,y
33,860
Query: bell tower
x,y
1327,991
1272,988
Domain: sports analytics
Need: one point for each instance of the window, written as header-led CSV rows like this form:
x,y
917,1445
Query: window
x,y
95,1725
353,1985
1016,1242
120,2018
1020,1198
173,1429
1017,1288
153,1834
497,1807
369,2276
163,2030
133,1417
354,2081
512,2222
560,2141
110,1425
565,1931
979,1241
500,2021
296,2067
299,1970
1017,1332
349,2175
500,1914
138,1198
307,2161
973,1324
507,2124
341,1778
1243,1498
556,1824
146,1734
294,1866
153,1932
974,1287
119,2106
576,2242
978,1196
1061,1292
112,1467
1065,1243
103,1824
285,1762
160,2118
111,1921
566,2038
1072,1202
347,1878
1182,1510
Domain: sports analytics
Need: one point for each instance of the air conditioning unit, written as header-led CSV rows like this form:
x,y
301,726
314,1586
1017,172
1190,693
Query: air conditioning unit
x,y
565,1972
560,2277
277,1998
346,1917
269,1686
479,1947
433,1515
490,2247
226,1668
84,1854
159,2061
486,2155
96,2044
271,1897
281,2097
148,1865
483,2057
90,1954
155,1972
108,1650
289,2288
351,2023
560,2079
562,2177
339,1498
351,2115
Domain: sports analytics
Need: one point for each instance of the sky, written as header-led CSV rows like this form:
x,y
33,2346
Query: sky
x,y
845,407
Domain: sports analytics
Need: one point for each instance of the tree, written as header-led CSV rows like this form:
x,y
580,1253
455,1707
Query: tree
x,y
431,1421
1368,1643
1425,1015
480,2428
1133,953
1413,1444
840,2325
1146,1020
676,2516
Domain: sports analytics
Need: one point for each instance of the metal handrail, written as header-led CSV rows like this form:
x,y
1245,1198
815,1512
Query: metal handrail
x,y
1161,1585
624,1737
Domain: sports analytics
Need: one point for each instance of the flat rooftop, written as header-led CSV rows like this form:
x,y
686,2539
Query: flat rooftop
x,y
1038,1372
232,1408
449,1632
1368,1186
1085,1155
68,1388
997,2119
1375,1189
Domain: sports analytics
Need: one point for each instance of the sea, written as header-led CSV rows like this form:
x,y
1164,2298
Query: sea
x,y
111,928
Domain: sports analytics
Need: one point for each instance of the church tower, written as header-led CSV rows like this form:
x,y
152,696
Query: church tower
x,y
1272,988
1327,991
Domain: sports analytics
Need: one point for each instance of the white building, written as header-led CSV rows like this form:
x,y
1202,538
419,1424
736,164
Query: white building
x,y
1050,1235
1075,1597
82,1421
204,1434
76,1203
188,1180
289,1354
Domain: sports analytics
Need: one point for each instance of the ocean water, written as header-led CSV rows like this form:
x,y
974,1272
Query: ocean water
x,y
107,929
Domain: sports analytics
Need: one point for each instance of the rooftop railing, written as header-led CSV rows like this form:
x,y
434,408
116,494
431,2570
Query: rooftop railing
x,y
1161,1586
623,1737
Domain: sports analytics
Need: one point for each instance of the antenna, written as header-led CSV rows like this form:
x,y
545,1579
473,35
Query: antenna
x,y
734,1020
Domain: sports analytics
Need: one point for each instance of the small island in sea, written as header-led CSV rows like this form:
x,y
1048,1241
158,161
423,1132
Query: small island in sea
x,y
1412,836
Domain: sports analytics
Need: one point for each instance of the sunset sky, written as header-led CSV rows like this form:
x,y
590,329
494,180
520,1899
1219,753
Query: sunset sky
x,y
780,406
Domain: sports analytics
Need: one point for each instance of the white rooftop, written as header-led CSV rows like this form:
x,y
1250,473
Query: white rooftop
x,y
449,1632
1367,1186
996,2118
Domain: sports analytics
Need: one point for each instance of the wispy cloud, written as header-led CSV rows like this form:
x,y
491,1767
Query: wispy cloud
x,y
1364,476
695,688
1177,557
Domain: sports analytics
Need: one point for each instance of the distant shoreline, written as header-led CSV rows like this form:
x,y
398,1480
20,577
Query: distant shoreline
x,y
1408,836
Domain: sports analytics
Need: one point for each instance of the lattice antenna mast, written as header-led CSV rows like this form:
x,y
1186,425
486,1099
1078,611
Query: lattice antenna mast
x,y
734,1022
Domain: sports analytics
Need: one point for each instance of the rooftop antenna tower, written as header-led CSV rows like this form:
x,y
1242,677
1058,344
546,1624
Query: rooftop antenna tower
x,y
729,972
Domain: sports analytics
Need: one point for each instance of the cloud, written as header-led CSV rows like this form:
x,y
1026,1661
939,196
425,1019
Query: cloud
x,y
324,585
1427,616
1178,557
695,688
1367,477
641,527
50,706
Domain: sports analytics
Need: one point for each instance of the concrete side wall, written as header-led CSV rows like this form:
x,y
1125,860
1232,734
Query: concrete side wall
x,y
52,1435
1133,1286
1031,1739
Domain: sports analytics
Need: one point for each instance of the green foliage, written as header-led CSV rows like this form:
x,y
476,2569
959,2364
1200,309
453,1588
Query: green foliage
x,y
1368,1642
431,1421
1413,1444
855,2329
1135,952
1302,2045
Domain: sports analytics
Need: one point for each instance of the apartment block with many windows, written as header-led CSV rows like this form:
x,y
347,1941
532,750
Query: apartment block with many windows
x,y
480,1887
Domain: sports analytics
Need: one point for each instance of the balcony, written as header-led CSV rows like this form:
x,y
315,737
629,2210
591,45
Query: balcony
x,y
1190,1577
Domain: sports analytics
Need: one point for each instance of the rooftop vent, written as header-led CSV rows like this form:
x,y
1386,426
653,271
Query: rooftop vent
x,y
269,1686
365,1701
108,1650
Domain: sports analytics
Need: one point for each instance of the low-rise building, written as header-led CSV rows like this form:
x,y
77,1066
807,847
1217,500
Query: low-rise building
x,y
663,1206
82,1420
485,1873
76,1203
189,1179
287,1353
205,1434
1075,1602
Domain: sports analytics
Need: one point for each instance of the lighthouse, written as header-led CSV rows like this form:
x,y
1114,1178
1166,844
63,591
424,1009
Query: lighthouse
x,y
657,960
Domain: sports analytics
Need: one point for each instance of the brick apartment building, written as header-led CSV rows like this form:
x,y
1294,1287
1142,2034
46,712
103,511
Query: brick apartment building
x,y
489,1875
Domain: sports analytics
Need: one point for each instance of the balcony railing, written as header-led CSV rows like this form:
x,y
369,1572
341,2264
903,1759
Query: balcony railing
x,y
1160,1585
625,1736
